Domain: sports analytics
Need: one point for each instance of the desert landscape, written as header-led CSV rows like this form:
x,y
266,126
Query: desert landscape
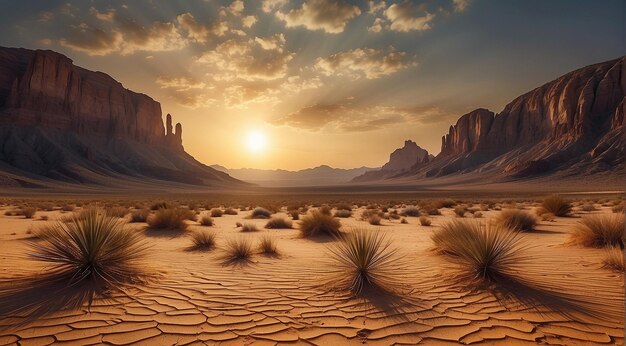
x,y
312,172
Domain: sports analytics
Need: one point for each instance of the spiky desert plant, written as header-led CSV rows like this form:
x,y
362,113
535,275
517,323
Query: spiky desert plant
x,y
249,227
278,223
203,240
425,221
260,213
316,224
238,251
94,247
216,212
267,246
206,220
614,258
140,215
343,213
600,231
374,220
517,220
365,259
169,219
556,205
483,252
411,211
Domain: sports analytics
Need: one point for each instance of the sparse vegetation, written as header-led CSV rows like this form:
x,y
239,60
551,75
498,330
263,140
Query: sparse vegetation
x,y
483,252
28,212
203,240
206,220
230,211
249,227
278,223
614,259
295,215
365,260
317,224
140,215
169,219
238,251
517,220
216,212
343,213
600,231
260,213
460,211
403,220
117,211
411,211
425,221
556,205
267,246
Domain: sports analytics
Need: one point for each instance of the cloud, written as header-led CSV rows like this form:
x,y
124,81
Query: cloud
x,y
328,15
192,100
270,5
195,31
107,16
179,83
46,16
249,59
460,5
248,21
347,117
377,26
408,16
93,41
242,95
376,6
368,62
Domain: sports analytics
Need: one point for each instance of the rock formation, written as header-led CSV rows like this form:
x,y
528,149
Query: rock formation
x,y
64,122
410,156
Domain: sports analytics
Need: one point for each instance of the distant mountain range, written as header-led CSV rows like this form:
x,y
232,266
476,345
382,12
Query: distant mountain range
x,y
319,176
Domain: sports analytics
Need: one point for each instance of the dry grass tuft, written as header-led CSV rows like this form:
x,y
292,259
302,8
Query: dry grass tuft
x,y
267,246
343,213
249,227
365,260
260,213
317,224
278,223
28,212
238,251
556,205
230,211
614,259
206,220
484,253
411,211
140,215
460,211
203,240
517,220
425,221
216,212
600,231
374,220
169,219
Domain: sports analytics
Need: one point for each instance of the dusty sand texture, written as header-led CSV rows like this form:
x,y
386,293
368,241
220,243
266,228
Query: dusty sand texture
x,y
197,299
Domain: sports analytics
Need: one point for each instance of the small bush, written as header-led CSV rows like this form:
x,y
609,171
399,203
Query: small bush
x,y
216,212
206,220
517,220
556,205
425,221
169,219
203,240
403,220
343,213
446,203
374,220
478,214
588,207
317,224
249,227
600,231
295,215
278,223
68,207
260,213
238,224
325,210
411,211
267,246
230,211
238,251
614,259
28,212
117,211
140,215
460,211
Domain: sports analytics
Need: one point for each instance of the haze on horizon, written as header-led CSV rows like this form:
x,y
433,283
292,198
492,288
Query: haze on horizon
x,y
297,84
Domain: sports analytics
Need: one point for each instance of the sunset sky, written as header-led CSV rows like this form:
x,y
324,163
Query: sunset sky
x,y
296,84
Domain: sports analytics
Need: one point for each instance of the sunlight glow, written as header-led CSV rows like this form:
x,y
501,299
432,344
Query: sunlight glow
x,y
256,141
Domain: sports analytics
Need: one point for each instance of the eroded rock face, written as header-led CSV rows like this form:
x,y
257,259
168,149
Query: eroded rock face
x,y
45,89
406,157
546,128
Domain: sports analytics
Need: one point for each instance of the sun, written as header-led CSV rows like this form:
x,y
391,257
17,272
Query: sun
x,y
256,141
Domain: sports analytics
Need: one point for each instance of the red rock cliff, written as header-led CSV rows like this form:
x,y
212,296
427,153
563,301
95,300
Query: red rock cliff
x,y
45,89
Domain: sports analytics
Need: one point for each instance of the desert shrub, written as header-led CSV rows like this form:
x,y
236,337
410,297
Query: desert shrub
x,y
600,231
365,260
614,259
556,205
267,246
619,208
343,206
230,211
216,212
202,240
140,215
460,211
411,211
483,252
169,219
325,210
445,203
403,220
367,213
260,213
295,215
206,220
478,214
160,205
343,213
425,221
117,211
249,227
68,207
278,223
517,220
431,210
238,251
238,224
588,207
28,212
317,224
393,216
374,220
95,247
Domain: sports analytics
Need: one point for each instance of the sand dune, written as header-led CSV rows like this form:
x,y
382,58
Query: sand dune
x,y
194,298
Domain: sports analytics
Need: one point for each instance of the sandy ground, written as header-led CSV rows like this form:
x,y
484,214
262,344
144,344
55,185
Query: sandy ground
x,y
197,299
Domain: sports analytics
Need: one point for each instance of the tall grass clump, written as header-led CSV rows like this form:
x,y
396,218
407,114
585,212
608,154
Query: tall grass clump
x,y
318,224
614,259
517,220
238,251
484,253
203,240
600,231
249,227
169,219
140,215
260,213
28,212
94,248
206,220
267,246
365,260
278,223
556,205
